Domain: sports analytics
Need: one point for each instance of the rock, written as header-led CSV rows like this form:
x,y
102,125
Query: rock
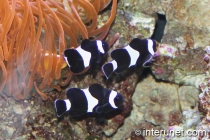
x,y
155,100
187,24
188,97
10,131
157,103
109,132
182,69
17,109
186,35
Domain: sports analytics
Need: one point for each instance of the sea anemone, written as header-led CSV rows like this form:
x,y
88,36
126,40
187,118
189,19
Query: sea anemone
x,y
33,36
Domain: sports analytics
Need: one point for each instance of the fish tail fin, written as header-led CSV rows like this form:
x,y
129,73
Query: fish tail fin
x,y
109,68
61,106
159,28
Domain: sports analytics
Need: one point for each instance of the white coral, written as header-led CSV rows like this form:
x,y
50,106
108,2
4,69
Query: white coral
x,y
207,49
167,50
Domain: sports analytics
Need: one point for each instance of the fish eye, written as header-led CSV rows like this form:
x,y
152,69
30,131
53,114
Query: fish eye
x,y
104,44
118,100
118,97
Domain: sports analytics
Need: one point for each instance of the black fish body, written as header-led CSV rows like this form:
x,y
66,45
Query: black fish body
x,y
95,99
87,54
138,53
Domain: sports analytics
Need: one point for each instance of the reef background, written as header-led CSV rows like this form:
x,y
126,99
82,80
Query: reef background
x,y
172,93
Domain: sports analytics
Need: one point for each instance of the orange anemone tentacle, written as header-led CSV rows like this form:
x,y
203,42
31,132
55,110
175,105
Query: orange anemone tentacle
x,y
108,23
67,80
34,35
4,76
111,42
42,95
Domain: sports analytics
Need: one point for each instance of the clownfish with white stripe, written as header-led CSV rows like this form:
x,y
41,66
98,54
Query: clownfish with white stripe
x,y
139,52
94,99
87,54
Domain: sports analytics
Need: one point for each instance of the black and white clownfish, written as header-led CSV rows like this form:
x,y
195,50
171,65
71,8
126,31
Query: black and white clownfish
x,y
139,52
94,99
87,54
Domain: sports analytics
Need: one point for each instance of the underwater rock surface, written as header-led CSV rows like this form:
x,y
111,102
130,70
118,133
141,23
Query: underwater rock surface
x,y
156,106
180,68
153,103
187,31
37,119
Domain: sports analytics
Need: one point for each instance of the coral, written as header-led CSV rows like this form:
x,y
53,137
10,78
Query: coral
x,y
33,36
207,56
203,105
191,118
166,50
171,65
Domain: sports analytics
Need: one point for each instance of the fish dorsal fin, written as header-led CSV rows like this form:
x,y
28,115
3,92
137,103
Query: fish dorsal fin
x,y
78,100
84,43
135,42
95,88
122,57
68,52
97,91
139,44
91,46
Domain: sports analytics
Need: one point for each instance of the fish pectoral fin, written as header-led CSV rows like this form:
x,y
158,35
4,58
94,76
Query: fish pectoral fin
x,y
99,109
107,70
104,108
145,66
147,60
60,107
100,115
101,120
